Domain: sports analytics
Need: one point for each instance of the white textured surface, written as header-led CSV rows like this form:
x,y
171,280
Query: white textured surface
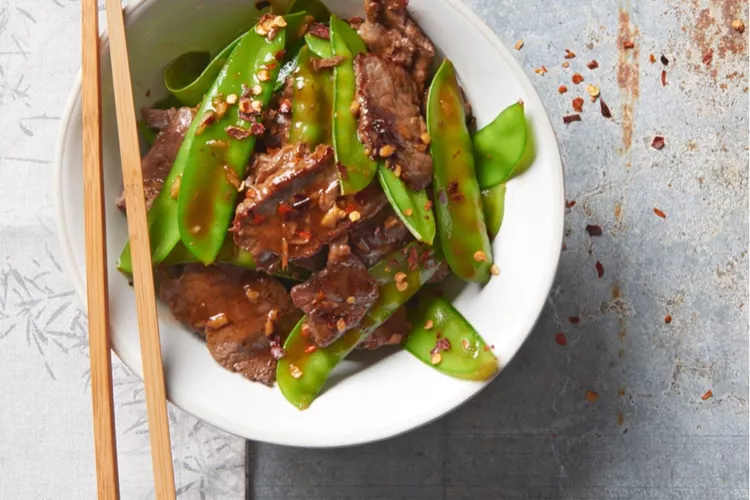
x,y
46,446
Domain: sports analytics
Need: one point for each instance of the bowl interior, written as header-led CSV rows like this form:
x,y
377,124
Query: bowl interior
x,y
390,393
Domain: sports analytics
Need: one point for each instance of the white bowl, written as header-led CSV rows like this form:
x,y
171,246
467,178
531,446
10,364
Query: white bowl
x,y
364,401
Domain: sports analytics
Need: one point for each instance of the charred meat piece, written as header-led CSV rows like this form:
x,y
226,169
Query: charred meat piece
x,y
391,32
392,332
337,298
390,123
297,209
243,315
277,118
379,237
158,119
330,62
158,161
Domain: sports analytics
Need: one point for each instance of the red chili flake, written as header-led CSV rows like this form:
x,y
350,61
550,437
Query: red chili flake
x,y
280,55
570,204
574,320
257,220
578,104
441,345
285,106
569,54
664,60
620,419
594,231
257,129
320,30
668,319
592,396
342,170
284,209
311,349
660,213
305,236
428,205
658,143
356,21
453,193
628,44
708,395
599,269
567,120
562,89
237,132
561,339
577,78
708,57
606,113
592,65
413,259
652,58
663,78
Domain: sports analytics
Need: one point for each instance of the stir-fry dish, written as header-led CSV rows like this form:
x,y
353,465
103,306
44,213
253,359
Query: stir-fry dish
x,y
311,183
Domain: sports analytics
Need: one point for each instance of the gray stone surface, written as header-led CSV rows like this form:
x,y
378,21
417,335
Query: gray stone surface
x,y
650,436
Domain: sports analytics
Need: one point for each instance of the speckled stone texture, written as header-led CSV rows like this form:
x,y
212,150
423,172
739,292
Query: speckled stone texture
x,y
649,436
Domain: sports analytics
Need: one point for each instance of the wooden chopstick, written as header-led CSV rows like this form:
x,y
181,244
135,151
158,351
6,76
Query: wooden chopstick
x,y
140,247
96,261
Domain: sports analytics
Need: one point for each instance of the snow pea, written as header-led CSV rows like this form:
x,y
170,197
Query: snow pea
x,y
312,104
461,223
289,65
211,159
318,46
304,370
315,8
414,208
442,338
504,148
493,203
190,76
356,168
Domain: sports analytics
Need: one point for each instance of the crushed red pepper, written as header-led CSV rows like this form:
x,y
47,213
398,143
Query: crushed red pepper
x,y
664,60
658,143
562,89
561,339
578,104
708,57
577,78
660,213
569,54
668,319
574,320
571,118
593,64
628,44
594,231
663,78
599,269
606,113
652,58
708,395
441,345
592,396
570,204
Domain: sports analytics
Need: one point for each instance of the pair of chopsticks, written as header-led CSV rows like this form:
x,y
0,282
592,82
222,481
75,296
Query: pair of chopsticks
x,y
96,258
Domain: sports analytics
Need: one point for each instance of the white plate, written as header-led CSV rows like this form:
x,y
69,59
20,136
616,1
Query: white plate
x,y
364,402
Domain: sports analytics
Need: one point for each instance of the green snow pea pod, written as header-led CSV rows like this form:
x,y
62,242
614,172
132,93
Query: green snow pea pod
x,y
465,355
312,104
318,46
190,76
289,65
493,203
461,223
414,208
504,148
315,8
356,169
303,371
219,144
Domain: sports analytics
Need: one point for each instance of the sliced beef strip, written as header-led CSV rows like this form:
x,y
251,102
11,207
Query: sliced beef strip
x,y
297,209
327,63
157,118
277,118
391,32
243,315
379,237
392,332
391,119
337,298
158,161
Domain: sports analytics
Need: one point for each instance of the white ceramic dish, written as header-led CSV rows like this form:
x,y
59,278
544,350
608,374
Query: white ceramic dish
x,y
363,402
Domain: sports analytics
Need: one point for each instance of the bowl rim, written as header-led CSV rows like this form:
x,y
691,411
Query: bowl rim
x,y
194,408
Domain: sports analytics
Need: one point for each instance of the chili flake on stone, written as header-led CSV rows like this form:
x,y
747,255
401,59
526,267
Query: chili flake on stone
x,y
561,339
